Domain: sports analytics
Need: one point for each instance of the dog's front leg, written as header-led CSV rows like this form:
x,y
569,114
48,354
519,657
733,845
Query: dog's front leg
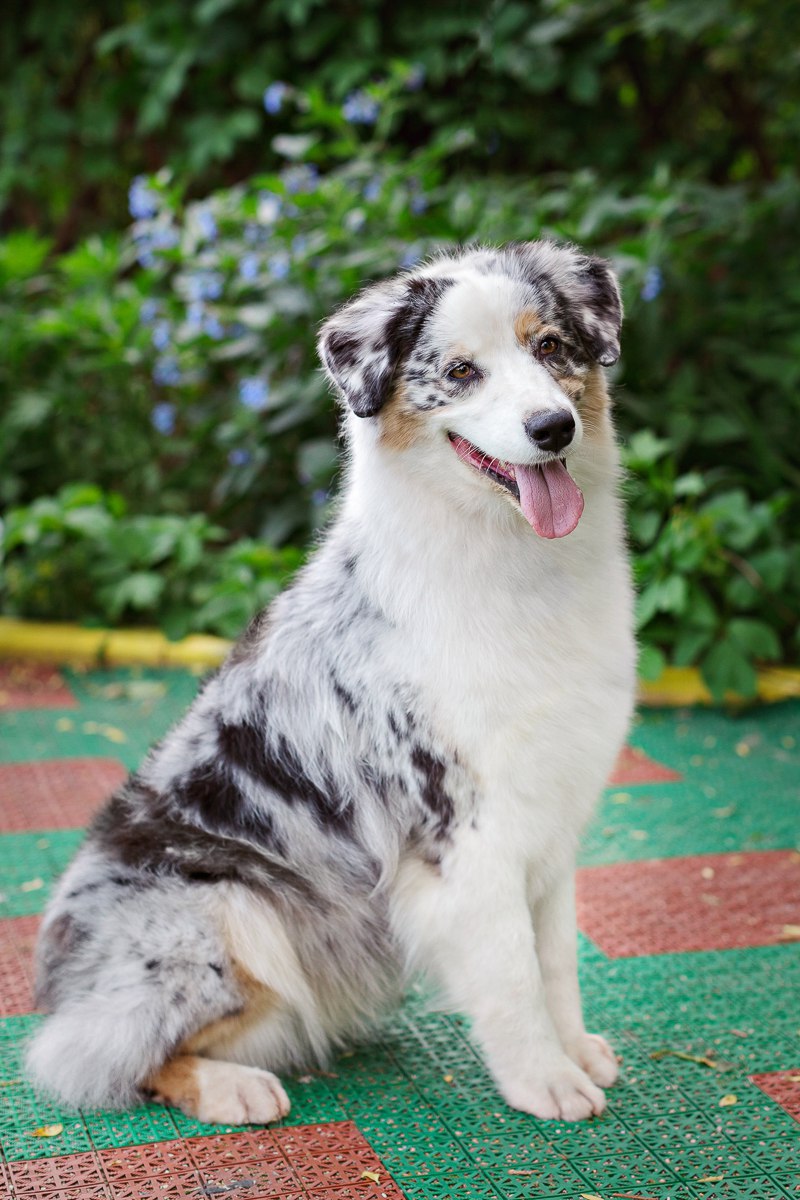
x,y
556,940
470,928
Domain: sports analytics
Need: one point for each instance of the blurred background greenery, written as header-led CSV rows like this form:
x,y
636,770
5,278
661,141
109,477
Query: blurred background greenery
x,y
189,186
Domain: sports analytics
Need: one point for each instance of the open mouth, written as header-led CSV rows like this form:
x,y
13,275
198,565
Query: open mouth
x,y
551,501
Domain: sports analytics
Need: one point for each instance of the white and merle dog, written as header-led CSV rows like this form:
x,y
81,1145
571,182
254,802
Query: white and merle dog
x,y
390,772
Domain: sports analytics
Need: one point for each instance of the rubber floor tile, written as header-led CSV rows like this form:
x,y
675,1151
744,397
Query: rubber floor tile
x,y
783,1087
704,902
31,685
633,766
17,941
57,794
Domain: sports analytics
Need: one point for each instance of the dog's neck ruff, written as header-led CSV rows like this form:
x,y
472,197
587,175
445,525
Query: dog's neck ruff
x,y
551,501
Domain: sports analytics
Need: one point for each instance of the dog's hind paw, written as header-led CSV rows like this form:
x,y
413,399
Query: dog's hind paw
x,y
561,1093
221,1093
595,1056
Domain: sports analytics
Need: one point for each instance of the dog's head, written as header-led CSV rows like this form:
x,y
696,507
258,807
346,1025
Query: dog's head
x,y
495,355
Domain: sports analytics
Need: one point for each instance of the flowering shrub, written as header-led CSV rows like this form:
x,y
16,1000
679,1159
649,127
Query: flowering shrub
x,y
176,366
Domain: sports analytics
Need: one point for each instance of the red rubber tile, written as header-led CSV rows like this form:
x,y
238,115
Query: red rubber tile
x,y
633,766
317,1161
33,685
44,1176
17,940
705,902
63,793
783,1087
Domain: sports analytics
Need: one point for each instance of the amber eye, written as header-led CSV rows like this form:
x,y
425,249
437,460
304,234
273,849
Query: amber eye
x,y
549,345
462,370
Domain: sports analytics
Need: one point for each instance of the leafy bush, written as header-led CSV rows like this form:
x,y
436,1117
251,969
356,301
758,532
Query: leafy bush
x,y
81,552
174,364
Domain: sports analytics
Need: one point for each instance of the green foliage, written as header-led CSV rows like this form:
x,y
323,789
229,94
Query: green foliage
x,y
80,552
174,364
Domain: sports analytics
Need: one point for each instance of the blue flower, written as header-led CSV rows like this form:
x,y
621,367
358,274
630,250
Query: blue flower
x,y
299,245
160,336
278,265
300,178
372,189
254,393
206,224
148,312
653,283
319,497
268,211
204,285
239,457
163,238
411,257
195,314
166,372
418,204
274,97
163,418
213,327
360,108
142,200
249,266
415,77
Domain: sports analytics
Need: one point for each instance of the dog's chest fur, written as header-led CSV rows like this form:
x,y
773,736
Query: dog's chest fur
x,y
520,652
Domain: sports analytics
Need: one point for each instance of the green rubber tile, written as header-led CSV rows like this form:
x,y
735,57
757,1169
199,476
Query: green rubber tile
x,y
30,863
121,713
741,787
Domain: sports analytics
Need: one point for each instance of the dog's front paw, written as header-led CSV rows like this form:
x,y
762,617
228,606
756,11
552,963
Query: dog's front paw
x,y
561,1092
595,1056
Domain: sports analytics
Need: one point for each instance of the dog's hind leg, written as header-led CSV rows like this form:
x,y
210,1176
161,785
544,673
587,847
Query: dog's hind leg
x,y
219,1092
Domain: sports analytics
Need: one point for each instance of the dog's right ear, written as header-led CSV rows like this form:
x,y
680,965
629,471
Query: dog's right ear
x,y
363,344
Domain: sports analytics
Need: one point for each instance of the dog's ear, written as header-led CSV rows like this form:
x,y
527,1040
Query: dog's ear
x,y
363,344
598,309
584,286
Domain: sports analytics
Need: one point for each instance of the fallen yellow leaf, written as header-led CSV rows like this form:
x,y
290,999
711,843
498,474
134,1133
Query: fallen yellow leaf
x,y
726,1100
447,1078
372,1176
590,1196
112,733
711,1179
47,1131
702,1059
789,933
31,885
64,724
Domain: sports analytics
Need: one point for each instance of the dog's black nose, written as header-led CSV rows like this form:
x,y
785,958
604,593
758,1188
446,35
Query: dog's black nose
x,y
551,430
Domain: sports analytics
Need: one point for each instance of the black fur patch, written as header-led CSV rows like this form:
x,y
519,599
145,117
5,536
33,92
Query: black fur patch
x,y
431,772
144,831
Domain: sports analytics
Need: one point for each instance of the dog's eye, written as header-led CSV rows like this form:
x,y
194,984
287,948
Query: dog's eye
x,y
462,370
548,345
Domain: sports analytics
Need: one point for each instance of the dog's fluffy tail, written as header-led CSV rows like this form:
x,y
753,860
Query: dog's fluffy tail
x,y
96,1055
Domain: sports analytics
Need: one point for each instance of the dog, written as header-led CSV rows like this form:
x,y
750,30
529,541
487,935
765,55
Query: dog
x,y
390,772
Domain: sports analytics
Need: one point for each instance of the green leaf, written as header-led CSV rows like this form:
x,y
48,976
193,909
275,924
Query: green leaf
x,y
651,663
755,638
726,669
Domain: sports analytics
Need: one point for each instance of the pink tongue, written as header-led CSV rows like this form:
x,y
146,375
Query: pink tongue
x,y
550,499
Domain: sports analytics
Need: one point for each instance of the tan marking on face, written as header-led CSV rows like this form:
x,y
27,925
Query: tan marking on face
x,y
529,326
178,1083
258,1003
572,385
401,423
595,402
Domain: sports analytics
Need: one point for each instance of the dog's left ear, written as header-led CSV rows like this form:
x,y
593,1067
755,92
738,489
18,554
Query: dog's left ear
x,y
597,308
363,344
